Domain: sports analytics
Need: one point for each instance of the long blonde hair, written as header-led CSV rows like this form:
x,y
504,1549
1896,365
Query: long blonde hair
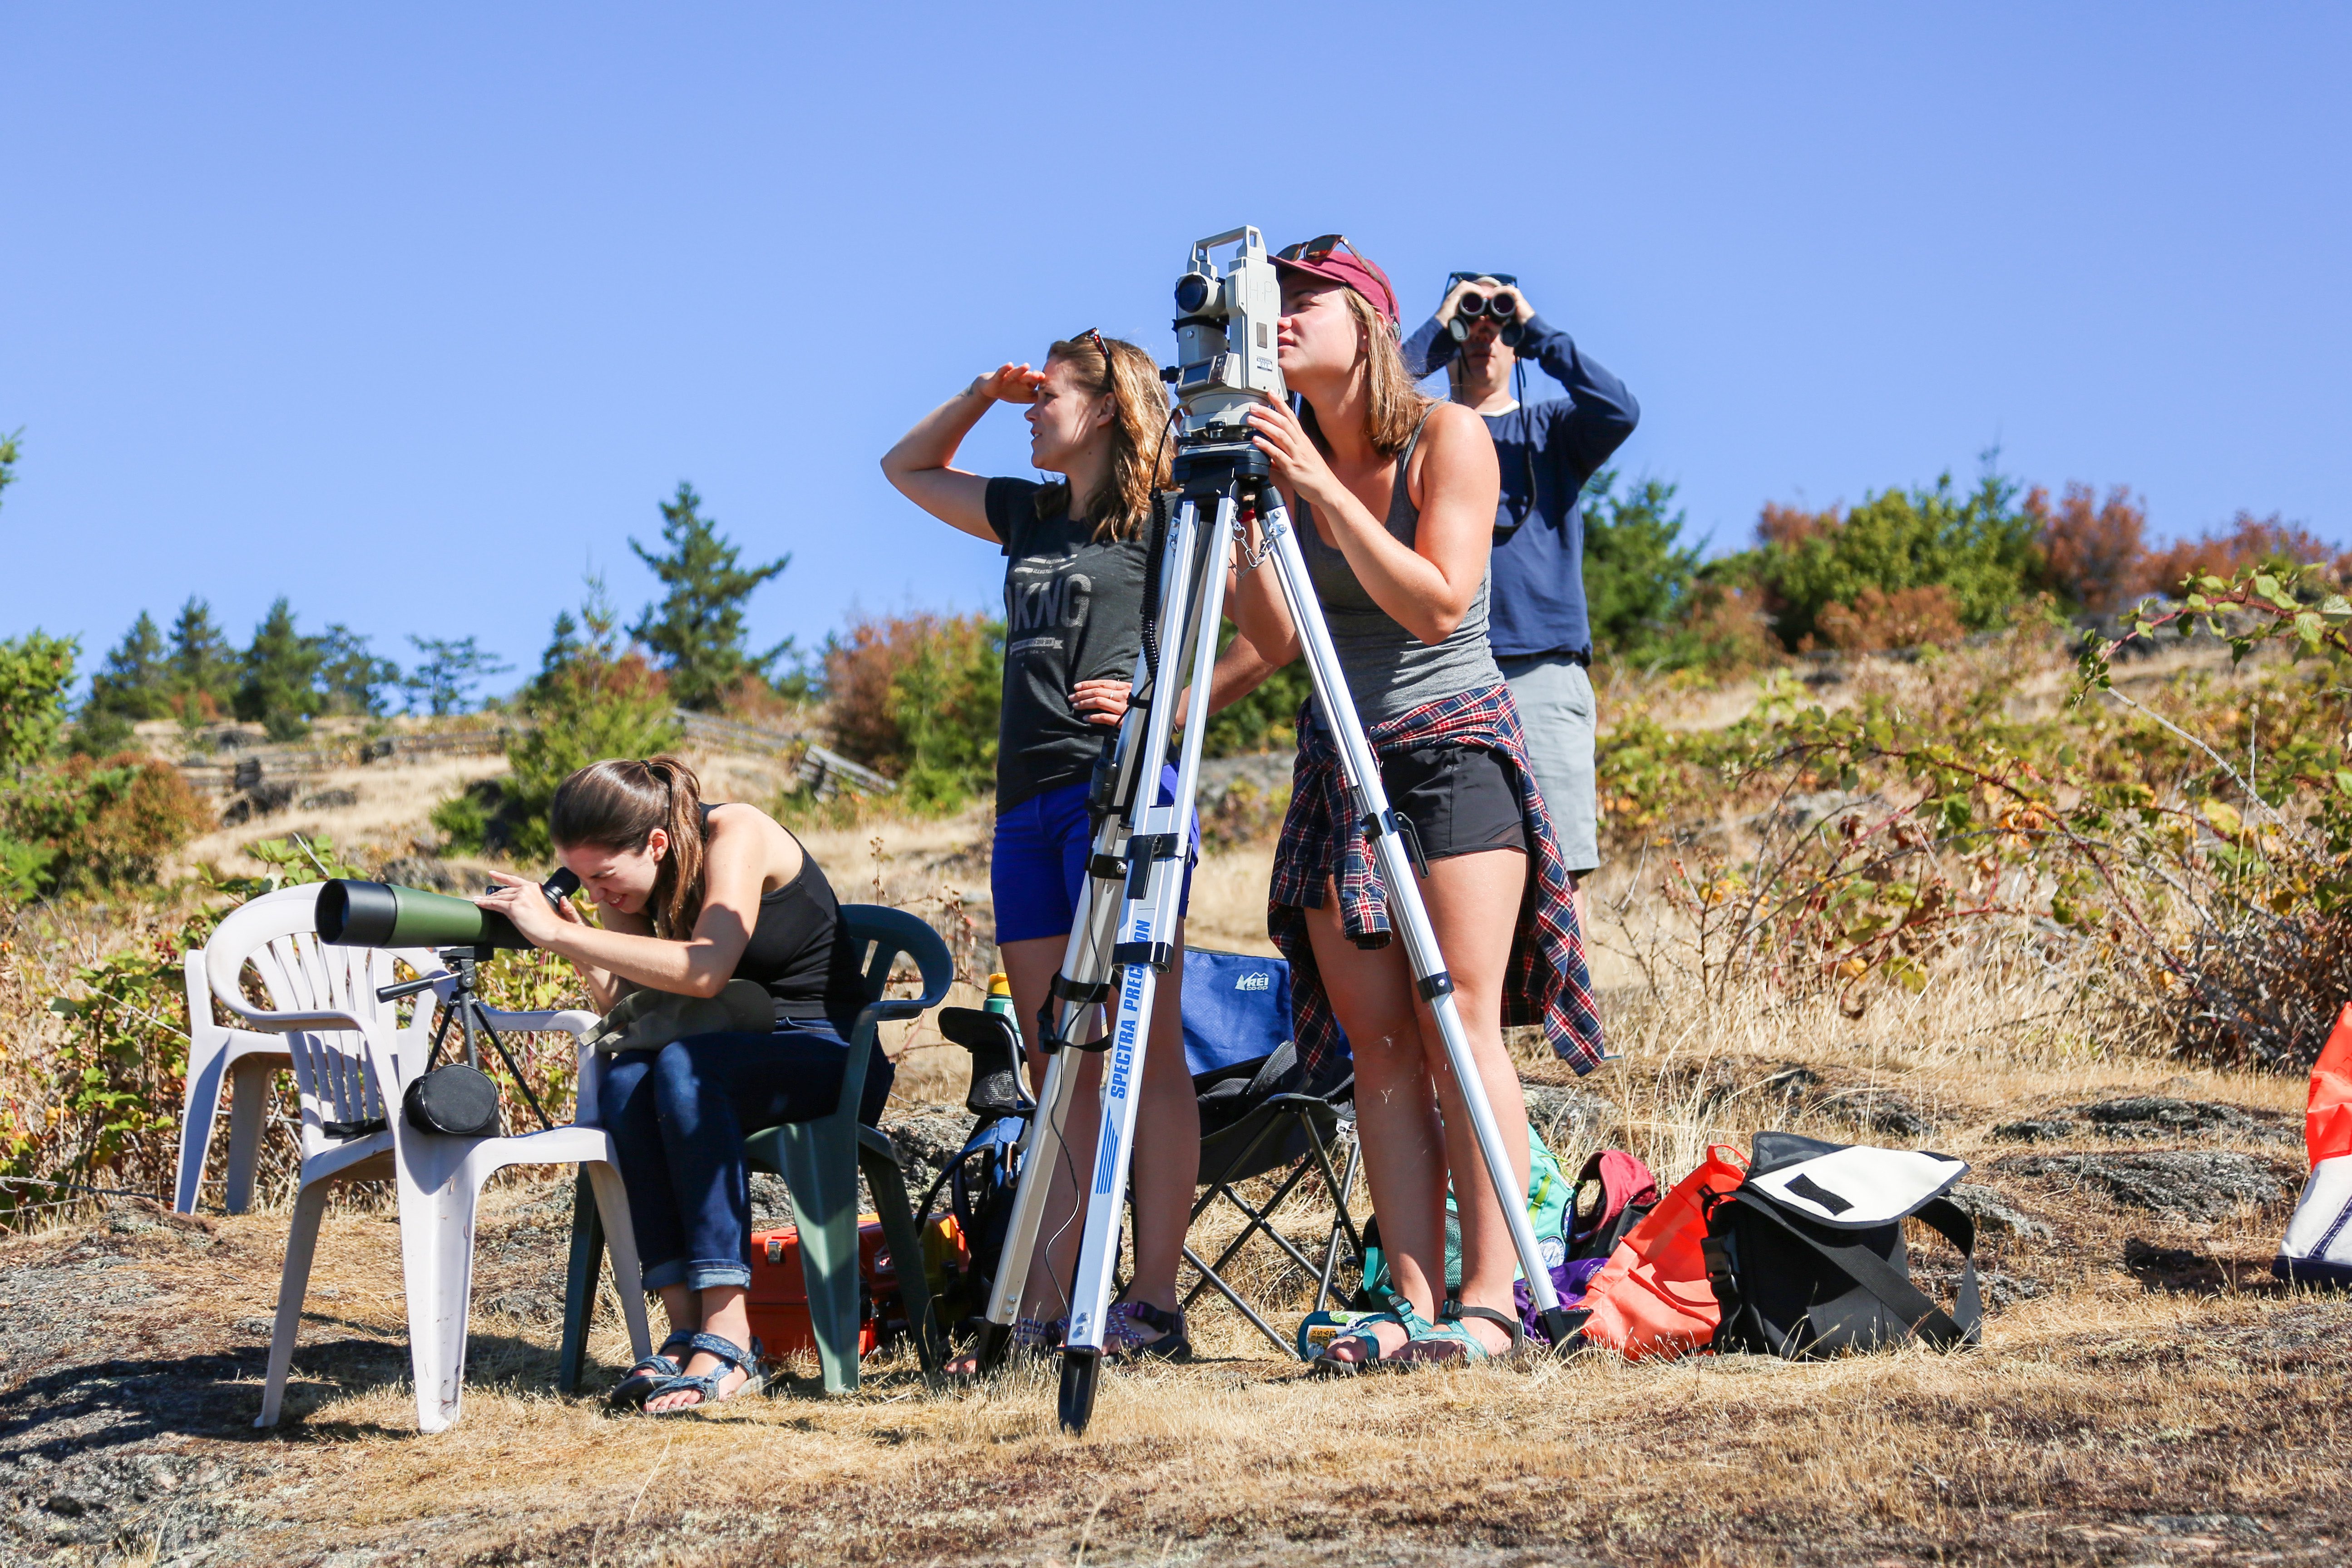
x,y
1393,406
1139,462
616,804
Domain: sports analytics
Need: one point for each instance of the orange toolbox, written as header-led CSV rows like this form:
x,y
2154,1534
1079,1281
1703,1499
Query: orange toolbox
x,y
777,1303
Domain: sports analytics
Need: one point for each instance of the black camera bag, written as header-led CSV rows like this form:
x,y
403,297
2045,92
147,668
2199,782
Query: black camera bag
x,y
1806,1256
453,1101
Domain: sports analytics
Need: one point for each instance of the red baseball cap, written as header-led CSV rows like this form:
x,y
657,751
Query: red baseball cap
x,y
1334,260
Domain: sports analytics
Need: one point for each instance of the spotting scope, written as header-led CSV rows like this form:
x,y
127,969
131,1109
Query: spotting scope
x,y
379,914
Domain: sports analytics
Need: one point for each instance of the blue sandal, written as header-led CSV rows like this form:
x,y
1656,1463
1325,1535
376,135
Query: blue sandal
x,y
731,1359
631,1392
1128,1322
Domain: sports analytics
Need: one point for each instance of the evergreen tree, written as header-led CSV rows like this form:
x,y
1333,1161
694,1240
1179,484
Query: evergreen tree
x,y
1638,575
352,679
8,460
281,686
135,682
697,630
444,682
203,669
563,647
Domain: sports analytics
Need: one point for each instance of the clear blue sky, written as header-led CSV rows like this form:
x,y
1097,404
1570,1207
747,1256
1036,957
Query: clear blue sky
x,y
411,312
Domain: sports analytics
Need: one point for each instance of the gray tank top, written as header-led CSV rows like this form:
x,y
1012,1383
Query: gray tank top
x,y
1389,670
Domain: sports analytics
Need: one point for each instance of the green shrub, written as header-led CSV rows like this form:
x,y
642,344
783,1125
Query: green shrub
x,y
1979,548
35,671
945,700
917,698
1639,578
84,826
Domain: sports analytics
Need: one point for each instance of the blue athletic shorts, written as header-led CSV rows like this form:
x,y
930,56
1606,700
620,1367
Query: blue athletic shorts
x,y
1039,865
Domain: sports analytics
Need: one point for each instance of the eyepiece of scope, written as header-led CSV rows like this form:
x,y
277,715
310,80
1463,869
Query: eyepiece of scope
x,y
1193,291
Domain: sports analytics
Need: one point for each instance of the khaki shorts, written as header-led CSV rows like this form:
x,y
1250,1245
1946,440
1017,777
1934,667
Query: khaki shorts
x,y
1554,697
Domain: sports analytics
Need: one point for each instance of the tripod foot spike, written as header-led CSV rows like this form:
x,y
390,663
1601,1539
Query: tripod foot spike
x,y
1080,1368
1561,1326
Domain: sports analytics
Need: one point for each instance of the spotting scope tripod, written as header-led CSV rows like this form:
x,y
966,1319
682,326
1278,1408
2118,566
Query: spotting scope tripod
x,y
1129,907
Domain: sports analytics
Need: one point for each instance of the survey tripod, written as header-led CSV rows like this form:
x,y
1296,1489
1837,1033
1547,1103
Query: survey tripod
x,y
1121,941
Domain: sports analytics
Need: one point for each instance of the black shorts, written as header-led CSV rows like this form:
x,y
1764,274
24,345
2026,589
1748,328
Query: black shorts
x,y
1462,800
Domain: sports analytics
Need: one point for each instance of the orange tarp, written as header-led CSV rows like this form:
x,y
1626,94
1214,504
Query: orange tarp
x,y
2327,1126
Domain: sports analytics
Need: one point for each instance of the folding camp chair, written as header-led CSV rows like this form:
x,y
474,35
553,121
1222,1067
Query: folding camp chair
x,y
1261,1110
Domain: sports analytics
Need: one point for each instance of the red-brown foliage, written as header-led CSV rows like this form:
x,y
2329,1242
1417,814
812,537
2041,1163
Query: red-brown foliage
x,y
858,670
2250,542
1908,617
1788,526
870,678
2093,550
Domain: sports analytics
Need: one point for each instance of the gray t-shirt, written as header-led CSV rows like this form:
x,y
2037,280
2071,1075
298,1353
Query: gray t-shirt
x,y
1389,670
1073,612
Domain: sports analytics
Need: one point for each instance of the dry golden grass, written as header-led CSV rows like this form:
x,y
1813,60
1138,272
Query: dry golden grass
x,y
2116,1414
2121,1410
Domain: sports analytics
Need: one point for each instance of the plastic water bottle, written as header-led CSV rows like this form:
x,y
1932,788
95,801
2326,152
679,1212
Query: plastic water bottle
x,y
1000,996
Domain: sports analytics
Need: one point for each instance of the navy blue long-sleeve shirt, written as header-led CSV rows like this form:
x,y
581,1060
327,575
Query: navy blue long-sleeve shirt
x,y
1548,451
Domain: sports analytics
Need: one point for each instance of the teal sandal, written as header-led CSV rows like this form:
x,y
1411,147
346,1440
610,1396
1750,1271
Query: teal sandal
x,y
1401,1313
1449,1344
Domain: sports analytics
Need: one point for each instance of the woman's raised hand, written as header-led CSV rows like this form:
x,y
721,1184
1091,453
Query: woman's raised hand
x,y
1009,383
1298,467
520,899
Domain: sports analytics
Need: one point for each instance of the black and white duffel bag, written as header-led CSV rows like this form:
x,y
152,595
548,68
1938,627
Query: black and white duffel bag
x,y
1806,1256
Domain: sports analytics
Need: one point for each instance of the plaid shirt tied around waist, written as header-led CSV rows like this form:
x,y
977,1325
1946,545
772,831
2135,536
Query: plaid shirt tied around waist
x,y
1546,982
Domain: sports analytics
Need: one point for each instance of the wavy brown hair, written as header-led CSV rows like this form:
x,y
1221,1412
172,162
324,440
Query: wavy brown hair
x,y
616,804
1139,462
1393,406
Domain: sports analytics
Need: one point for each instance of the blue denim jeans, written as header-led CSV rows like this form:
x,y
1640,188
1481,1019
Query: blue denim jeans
x,y
678,1117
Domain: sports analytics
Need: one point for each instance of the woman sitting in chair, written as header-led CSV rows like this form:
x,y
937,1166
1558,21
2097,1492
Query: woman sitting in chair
x,y
693,896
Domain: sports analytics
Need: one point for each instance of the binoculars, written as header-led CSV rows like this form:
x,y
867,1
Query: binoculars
x,y
1476,306
380,914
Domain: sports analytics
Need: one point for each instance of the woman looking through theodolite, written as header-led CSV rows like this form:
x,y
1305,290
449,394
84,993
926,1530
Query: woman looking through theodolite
x,y
1074,590
1394,496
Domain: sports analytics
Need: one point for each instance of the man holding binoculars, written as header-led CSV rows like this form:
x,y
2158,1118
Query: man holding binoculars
x,y
1541,633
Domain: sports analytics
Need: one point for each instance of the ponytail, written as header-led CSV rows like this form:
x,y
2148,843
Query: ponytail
x,y
617,804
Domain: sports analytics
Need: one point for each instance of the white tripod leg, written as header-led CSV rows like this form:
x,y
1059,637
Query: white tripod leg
x,y
1042,1152
1081,984
1161,846
1361,771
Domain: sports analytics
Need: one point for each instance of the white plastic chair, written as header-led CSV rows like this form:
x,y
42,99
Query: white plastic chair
x,y
349,1070
247,1061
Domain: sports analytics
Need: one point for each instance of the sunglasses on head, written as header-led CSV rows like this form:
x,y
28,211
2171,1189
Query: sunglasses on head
x,y
1320,248
1110,367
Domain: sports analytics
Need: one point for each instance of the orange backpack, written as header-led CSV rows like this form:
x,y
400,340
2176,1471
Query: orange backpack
x,y
1652,1298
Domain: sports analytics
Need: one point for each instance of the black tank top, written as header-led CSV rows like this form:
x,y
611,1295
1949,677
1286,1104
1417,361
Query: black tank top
x,y
800,950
